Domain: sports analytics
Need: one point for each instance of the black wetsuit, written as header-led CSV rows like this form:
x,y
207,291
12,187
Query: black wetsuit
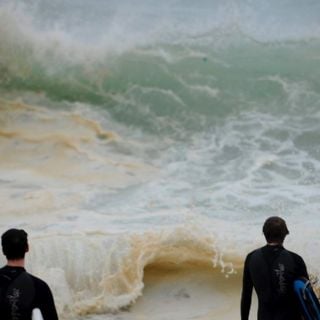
x,y
271,271
20,292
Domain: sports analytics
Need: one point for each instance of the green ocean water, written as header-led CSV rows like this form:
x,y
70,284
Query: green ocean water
x,y
191,85
190,72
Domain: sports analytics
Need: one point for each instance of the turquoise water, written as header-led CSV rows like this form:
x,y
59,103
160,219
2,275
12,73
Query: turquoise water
x,y
149,135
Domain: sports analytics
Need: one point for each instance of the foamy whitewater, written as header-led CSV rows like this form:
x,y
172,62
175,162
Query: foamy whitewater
x,y
144,143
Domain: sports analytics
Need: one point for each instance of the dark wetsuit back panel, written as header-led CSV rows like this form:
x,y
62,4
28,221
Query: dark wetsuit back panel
x,y
19,296
271,271
272,276
20,292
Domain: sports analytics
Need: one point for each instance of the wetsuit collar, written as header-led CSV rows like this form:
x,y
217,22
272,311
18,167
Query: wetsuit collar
x,y
14,268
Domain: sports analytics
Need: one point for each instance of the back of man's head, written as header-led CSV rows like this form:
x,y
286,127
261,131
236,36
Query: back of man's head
x,y
14,244
275,230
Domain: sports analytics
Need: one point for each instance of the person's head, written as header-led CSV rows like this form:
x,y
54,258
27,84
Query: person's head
x,y
14,244
275,230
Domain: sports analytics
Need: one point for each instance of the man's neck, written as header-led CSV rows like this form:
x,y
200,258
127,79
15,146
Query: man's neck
x,y
275,243
16,263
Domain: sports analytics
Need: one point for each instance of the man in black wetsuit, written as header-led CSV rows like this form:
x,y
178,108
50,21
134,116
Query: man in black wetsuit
x,y
271,271
21,292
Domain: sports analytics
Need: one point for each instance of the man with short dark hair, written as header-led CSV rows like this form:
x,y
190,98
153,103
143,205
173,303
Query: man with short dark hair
x,y
21,292
271,270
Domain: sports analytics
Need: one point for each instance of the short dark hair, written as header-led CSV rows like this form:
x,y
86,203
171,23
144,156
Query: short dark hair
x,y
14,244
275,229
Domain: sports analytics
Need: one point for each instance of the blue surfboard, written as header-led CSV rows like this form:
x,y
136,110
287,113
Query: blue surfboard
x,y
309,302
